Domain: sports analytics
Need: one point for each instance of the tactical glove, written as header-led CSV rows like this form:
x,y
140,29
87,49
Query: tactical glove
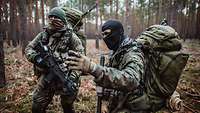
x,y
76,61
39,61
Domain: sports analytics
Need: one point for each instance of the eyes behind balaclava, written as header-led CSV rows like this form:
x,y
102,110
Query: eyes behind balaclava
x,y
116,36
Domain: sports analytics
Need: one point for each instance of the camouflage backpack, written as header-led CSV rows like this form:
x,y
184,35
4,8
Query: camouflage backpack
x,y
164,59
73,16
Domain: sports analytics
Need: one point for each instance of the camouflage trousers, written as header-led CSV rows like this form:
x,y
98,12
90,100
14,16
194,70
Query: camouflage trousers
x,y
133,103
43,95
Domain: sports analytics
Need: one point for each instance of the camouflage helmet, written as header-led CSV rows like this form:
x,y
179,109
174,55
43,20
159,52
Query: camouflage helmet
x,y
73,16
58,12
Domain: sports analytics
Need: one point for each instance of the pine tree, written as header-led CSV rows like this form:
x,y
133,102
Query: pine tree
x,y
2,67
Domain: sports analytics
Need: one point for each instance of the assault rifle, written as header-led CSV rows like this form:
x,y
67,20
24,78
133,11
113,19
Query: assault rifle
x,y
102,93
55,67
99,89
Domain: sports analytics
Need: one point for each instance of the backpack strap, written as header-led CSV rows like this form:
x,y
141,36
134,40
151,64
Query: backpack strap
x,y
152,64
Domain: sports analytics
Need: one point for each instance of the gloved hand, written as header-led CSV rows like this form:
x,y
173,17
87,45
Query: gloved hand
x,y
39,61
76,61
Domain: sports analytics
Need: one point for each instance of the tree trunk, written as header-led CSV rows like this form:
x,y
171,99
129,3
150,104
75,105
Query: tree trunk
x,y
30,10
183,26
97,17
174,15
30,20
191,18
42,12
1,15
142,16
127,18
2,66
166,10
169,11
157,12
149,13
161,15
13,15
117,8
18,29
187,22
37,24
133,21
85,19
198,21
22,13
5,21
111,8
97,14
101,18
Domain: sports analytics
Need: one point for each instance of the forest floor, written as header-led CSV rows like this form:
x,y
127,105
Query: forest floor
x,y
16,96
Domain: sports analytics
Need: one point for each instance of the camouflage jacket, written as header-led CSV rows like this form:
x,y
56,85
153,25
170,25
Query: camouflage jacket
x,y
125,68
82,37
60,45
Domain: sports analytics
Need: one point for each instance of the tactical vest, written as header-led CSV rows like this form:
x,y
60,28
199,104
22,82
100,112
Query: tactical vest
x,y
59,45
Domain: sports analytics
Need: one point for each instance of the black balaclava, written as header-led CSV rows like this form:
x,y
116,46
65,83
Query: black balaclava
x,y
116,37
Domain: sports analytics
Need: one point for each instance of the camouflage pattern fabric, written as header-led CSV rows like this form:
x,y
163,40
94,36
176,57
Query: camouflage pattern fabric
x,y
43,95
60,44
124,73
73,16
164,62
124,70
82,37
160,38
59,12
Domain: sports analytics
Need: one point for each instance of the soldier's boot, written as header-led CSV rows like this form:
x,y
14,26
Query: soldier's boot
x,y
69,109
40,103
67,103
36,108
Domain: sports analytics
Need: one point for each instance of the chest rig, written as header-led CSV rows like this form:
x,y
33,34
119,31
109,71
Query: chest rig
x,y
58,43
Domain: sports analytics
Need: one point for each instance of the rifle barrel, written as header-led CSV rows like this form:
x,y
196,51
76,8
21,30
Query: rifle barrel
x,y
84,15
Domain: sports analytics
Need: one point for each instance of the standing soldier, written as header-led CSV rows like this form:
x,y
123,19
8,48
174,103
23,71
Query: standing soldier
x,y
60,40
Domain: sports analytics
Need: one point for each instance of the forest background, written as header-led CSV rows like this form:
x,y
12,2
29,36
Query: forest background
x,y
22,20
